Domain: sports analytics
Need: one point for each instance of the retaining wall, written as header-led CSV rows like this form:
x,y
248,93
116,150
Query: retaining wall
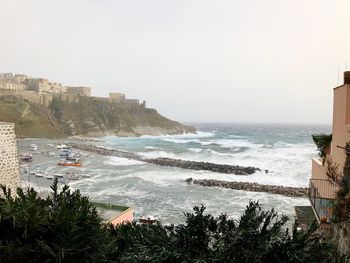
x,y
9,162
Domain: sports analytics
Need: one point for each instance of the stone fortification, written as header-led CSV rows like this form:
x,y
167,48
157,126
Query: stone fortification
x,y
41,91
9,162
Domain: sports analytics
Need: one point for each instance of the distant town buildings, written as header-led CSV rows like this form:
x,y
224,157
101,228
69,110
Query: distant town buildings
x,y
80,91
41,91
11,85
117,97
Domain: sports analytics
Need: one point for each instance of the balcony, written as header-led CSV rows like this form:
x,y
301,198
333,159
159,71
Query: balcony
x,y
322,194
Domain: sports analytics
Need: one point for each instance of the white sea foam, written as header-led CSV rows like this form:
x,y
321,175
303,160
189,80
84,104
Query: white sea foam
x,y
158,154
152,148
195,150
117,161
173,140
199,134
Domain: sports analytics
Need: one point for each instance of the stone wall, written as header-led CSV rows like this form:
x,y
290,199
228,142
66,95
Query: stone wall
x,y
9,162
80,91
11,85
41,99
341,235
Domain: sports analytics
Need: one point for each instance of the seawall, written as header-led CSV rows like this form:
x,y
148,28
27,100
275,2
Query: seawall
x,y
170,162
253,187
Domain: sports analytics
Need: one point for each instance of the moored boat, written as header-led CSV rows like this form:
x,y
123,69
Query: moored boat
x,y
76,163
26,157
148,220
33,147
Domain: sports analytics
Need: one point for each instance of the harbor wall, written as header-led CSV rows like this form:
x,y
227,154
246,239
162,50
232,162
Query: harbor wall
x,y
9,162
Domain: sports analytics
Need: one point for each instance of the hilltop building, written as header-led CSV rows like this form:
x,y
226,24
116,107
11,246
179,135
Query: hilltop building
x,y
41,91
79,91
6,76
9,162
11,85
117,97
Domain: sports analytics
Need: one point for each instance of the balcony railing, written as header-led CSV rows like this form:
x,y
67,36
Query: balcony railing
x,y
322,194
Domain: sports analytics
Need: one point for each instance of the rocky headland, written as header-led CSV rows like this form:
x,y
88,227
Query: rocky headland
x,y
85,116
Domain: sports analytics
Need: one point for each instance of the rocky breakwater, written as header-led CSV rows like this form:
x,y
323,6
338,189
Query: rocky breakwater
x,y
170,162
253,187
213,167
105,151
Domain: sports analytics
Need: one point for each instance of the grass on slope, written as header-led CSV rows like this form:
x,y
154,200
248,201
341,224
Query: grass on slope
x,y
31,120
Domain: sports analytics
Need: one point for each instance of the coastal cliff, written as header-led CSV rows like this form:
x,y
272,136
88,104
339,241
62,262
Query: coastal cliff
x,y
86,116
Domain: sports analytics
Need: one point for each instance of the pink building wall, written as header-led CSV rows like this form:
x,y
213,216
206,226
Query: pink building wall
x,y
340,130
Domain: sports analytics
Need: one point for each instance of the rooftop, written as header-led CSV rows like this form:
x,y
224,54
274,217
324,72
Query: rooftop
x,y
110,212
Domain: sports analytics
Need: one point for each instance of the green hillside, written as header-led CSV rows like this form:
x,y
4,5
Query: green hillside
x,y
88,116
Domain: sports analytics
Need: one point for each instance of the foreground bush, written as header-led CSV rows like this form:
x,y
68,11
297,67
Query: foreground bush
x,y
65,227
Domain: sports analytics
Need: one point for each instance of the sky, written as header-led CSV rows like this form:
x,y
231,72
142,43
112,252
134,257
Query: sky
x,y
193,60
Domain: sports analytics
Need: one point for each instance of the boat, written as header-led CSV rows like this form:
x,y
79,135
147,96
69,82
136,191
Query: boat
x,y
62,146
72,176
26,157
33,147
58,175
148,220
75,163
39,175
49,177
65,153
73,157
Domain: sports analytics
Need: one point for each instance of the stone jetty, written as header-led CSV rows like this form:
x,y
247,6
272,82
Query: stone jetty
x,y
170,162
193,165
105,151
253,187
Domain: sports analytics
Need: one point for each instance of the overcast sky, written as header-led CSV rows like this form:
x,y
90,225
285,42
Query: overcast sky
x,y
223,61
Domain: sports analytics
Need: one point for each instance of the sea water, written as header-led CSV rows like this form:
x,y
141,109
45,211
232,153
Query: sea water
x,y
284,150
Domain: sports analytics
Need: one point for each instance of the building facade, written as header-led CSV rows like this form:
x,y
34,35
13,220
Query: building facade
x,y
7,76
79,91
9,162
11,85
117,97
322,192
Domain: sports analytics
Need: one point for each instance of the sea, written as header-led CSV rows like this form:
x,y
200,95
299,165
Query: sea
x,y
284,150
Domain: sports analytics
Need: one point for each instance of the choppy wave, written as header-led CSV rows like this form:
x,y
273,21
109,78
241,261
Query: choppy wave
x,y
117,161
199,134
163,192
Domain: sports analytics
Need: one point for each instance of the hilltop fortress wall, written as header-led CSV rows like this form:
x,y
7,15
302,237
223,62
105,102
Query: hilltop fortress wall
x,y
9,162
41,91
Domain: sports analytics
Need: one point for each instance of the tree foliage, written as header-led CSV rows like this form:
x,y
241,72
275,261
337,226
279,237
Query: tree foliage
x,y
57,107
65,227
322,142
